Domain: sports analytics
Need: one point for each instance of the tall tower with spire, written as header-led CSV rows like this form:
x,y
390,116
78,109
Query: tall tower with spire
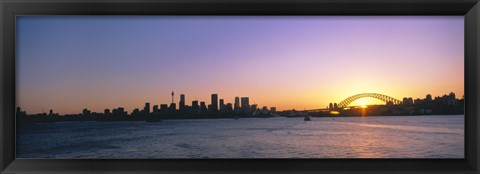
x,y
173,106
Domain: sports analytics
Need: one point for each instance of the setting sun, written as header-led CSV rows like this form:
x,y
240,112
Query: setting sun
x,y
262,61
364,102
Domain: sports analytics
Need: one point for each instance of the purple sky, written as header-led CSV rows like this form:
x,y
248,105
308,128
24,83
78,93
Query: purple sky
x,y
68,63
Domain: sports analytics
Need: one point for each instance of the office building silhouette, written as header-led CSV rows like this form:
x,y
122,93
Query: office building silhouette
x,y
214,103
146,109
245,104
181,104
195,105
237,104
222,105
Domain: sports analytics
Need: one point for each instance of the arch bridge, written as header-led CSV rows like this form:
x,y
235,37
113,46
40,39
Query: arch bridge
x,y
344,103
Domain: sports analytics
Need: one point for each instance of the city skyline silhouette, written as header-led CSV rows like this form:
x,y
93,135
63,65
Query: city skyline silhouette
x,y
67,63
216,104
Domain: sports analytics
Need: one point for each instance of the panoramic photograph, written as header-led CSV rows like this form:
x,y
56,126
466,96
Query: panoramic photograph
x,y
163,87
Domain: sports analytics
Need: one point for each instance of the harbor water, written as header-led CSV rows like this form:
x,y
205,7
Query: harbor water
x,y
439,136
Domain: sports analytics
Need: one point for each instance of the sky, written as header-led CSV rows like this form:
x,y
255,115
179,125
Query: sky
x,y
68,63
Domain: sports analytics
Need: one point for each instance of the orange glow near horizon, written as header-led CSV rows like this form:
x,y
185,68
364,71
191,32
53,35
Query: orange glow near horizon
x,y
287,62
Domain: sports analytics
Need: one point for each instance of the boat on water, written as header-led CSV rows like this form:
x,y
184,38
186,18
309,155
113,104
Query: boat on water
x,y
307,118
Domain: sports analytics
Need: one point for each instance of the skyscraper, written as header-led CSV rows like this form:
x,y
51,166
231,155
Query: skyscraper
x,y
222,105
214,102
146,109
195,105
228,107
182,102
245,104
203,106
163,107
155,108
237,104
172,107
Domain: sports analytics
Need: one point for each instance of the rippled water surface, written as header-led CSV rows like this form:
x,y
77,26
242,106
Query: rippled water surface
x,y
279,137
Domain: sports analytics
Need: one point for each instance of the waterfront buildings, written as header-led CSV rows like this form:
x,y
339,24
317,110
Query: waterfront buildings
x,y
245,104
214,103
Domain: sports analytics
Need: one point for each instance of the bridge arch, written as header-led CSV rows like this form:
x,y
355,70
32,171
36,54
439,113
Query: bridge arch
x,y
344,103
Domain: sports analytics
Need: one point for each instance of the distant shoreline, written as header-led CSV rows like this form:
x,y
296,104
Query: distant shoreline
x,y
393,115
234,118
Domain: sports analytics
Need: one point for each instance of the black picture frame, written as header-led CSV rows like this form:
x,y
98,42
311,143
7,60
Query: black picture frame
x,y
9,9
